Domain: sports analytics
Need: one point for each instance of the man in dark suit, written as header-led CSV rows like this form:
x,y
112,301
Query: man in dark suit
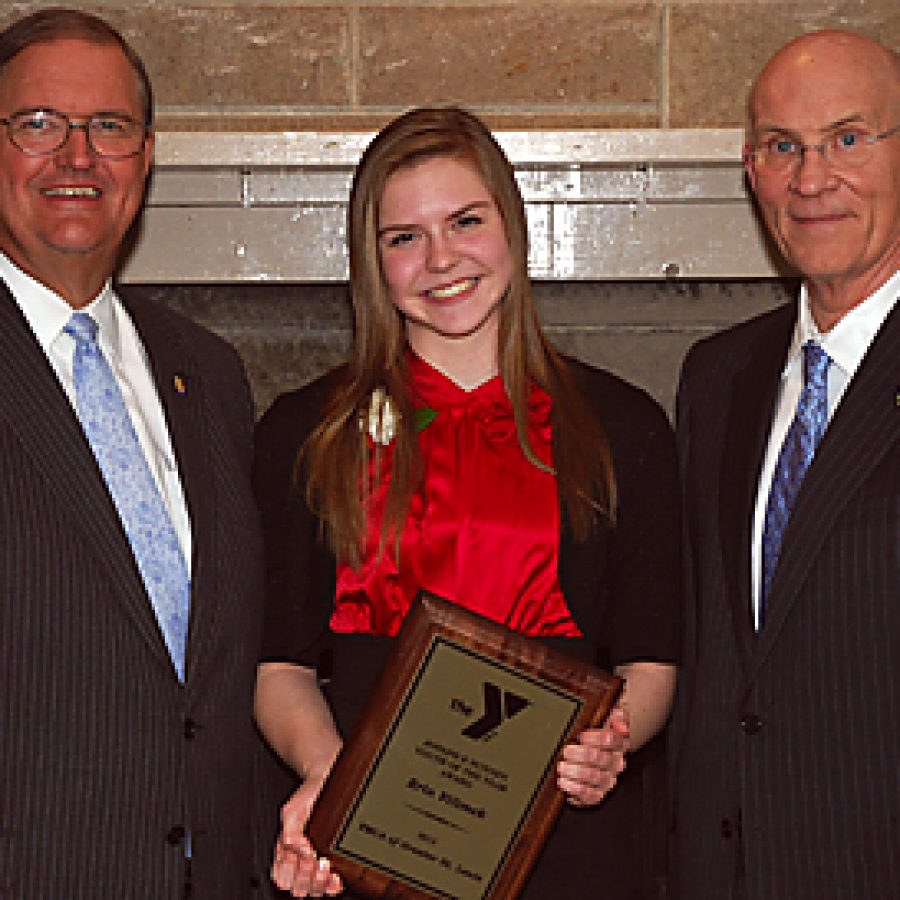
x,y
785,738
129,556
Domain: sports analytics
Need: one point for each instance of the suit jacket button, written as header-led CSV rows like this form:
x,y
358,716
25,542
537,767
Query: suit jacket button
x,y
727,830
175,835
190,729
751,724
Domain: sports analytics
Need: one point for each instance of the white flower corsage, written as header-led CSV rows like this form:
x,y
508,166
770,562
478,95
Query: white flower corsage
x,y
382,419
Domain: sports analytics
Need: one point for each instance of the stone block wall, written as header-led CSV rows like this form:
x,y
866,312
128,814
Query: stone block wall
x,y
311,65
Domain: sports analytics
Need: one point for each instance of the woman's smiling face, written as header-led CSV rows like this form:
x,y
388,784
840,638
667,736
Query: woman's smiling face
x,y
444,255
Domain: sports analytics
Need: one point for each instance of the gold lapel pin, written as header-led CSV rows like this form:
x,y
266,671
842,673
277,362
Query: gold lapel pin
x,y
180,386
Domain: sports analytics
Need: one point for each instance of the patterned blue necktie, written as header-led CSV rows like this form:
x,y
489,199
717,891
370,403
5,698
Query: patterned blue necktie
x,y
110,432
796,454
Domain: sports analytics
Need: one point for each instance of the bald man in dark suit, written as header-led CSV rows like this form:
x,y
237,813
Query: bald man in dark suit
x,y
785,737
126,735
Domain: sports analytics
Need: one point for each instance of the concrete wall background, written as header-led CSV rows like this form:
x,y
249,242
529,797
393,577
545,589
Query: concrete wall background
x,y
313,65
290,333
521,63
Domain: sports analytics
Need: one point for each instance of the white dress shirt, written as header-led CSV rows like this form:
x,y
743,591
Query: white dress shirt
x,y
47,314
846,344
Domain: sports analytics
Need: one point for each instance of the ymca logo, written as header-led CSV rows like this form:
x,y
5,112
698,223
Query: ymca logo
x,y
499,707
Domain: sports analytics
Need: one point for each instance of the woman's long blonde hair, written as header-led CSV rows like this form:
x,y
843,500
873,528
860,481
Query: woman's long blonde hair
x,y
335,457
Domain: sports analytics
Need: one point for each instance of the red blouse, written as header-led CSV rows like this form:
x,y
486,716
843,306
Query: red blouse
x,y
483,530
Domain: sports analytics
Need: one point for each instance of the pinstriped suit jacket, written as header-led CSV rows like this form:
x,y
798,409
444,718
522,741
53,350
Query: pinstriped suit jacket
x,y
104,756
785,745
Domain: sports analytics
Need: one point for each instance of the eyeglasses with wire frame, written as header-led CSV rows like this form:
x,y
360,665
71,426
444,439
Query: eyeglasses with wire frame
x,y
41,132
846,148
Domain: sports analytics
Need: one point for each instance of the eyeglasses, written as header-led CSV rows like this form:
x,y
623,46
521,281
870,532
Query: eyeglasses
x,y
846,149
40,132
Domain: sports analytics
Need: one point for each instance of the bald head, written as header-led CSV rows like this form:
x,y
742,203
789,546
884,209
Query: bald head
x,y
851,62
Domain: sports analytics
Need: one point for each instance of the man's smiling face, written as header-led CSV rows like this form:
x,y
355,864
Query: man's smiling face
x,y
71,206
839,226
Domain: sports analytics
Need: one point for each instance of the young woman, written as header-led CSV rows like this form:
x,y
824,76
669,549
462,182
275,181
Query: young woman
x,y
458,451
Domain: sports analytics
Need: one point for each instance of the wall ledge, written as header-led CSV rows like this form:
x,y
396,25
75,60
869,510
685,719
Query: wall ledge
x,y
601,205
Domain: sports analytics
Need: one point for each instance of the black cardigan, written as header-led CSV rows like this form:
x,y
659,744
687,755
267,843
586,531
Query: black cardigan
x,y
622,585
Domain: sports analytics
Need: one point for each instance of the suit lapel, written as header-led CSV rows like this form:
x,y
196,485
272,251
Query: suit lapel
x,y
864,428
34,406
180,388
752,400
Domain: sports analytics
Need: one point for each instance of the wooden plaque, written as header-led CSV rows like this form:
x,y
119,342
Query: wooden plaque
x,y
447,786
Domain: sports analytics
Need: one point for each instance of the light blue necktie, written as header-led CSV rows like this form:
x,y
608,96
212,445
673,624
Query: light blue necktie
x,y
796,454
110,432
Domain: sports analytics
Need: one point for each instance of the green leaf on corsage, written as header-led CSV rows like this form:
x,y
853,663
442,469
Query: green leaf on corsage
x,y
424,417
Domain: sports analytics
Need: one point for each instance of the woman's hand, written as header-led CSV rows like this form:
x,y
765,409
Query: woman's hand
x,y
589,769
293,715
296,868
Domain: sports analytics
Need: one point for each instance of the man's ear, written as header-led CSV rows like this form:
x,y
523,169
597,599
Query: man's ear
x,y
149,148
749,164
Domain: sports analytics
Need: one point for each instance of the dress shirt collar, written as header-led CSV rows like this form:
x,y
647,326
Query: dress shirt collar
x,y
851,337
47,313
